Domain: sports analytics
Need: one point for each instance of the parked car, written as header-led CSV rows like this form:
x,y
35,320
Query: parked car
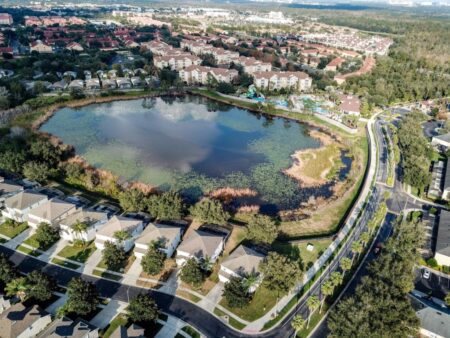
x,y
426,274
377,248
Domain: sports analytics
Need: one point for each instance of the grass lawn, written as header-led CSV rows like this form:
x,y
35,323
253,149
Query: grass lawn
x,y
191,331
263,300
122,269
188,295
65,264
31,241
78,253
27,251
299,251
233,322
12,229
105,274
120,320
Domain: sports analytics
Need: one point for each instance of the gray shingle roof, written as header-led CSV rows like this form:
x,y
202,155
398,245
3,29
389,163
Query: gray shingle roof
x,y
443,235
243,261
24,200
18,318
201,243
65,328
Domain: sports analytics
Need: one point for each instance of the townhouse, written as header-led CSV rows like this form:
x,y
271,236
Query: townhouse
x,y
176,62
251,65
201,245
93,220
19,205
19,321
166,237
243,262
276,80
202,75
8,189
65,328
40,47
334,64
51,212
107,233
350,104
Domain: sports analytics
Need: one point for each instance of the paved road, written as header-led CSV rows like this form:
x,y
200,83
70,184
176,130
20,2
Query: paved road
x,y
438,285
384,233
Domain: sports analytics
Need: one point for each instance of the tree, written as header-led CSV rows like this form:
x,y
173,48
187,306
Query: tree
x,y
327,290
12,161
209,211
79,229
44,151
41,286
225,88
143,308
132,200
36,171
365,237
262,229
82,296
356,249
7,270
298,324
46,235
114,256
336,278
167,206
76,93
153,261
4,98
121,236
279,272
73,170
18,287
312,303
346,264
447,299
192,273
236,293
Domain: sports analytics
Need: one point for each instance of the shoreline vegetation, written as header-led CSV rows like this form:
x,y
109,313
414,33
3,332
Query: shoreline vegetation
x,y
302,169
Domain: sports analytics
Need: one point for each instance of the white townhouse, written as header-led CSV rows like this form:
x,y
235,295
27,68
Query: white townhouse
x,y
159,48
202,74
166,236
242,263
196,47
276,80
51,212
93,220
8,189
251,65
201,245
176,62
223,56
117,224
19,205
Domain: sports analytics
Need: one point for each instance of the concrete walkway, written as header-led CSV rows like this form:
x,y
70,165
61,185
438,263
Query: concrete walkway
x,y
109,312
52,308
133,273
52,252
92,262
171,328
172,283
212,298
16,241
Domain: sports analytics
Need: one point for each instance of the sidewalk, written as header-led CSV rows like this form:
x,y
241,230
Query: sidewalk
x,y
212,298
16,241
108,313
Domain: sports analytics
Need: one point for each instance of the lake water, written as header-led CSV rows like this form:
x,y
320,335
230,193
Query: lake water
x,y
191,144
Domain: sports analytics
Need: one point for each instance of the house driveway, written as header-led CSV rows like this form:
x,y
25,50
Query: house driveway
x,y
109,312
16,241
212,298
133,273
53,307
92,262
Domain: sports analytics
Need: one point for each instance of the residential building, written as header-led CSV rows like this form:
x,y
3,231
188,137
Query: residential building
x,y
201,245
94,220
350,104
6,19
159,48
434,322
75,46
136,81
437,175
67,328
19,205
133,331
109,84
276,80
40,47
5,304
202,75
223,75
59,85
51,212
176,62
335,64
167,237
23,322
442,252
251,65
78,84
117,224
8,189
441,141
93,84
446,186
242,263
123,83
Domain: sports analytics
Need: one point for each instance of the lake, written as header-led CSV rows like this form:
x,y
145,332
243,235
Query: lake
x,y
191,144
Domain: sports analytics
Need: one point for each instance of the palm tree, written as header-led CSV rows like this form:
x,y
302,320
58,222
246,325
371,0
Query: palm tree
x,y
327,290
121,236
312,303
207,264
346,264
18,287
356,249
365,236
79,228
250,280
298,324
336,278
